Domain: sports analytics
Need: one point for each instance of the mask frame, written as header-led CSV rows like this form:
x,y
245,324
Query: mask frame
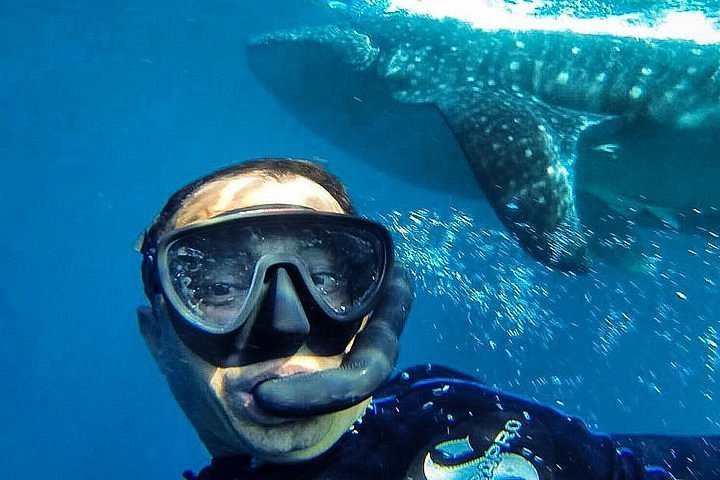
x,y
223,344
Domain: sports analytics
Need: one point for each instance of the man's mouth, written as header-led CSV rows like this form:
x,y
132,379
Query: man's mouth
x,y
239,390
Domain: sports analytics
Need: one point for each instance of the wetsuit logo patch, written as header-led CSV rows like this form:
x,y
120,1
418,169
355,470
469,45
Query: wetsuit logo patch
x,y
459,461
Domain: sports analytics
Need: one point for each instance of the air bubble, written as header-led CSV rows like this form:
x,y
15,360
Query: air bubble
x,y
441,390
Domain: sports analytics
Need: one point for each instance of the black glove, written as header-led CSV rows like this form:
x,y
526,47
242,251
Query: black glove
x,y
368,364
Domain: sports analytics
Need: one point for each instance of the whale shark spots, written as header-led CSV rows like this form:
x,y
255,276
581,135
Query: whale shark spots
x,y
516,104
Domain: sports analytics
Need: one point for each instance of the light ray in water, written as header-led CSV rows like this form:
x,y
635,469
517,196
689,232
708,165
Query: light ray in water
x,y
695,26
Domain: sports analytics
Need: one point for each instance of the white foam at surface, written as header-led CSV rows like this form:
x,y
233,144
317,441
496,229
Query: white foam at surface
x,y
493,15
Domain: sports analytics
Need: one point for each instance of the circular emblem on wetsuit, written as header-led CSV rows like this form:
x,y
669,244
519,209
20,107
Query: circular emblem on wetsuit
x,y
497,447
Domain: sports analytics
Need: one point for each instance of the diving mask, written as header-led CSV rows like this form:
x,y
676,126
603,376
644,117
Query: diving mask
x,y
226,278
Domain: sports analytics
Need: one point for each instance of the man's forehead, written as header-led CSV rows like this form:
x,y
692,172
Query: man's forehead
x,y
250,190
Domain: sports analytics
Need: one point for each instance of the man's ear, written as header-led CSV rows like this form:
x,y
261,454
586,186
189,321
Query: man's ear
x,y
151,329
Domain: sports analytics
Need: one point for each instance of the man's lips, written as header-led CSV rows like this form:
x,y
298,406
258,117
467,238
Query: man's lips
x,y
239,390
253,375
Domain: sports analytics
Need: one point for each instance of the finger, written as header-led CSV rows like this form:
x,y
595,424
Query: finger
x,y
369,363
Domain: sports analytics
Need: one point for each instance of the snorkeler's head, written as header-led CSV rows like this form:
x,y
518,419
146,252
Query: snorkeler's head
x,y
256,272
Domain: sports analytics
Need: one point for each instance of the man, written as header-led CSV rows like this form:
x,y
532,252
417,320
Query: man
x,y
275,316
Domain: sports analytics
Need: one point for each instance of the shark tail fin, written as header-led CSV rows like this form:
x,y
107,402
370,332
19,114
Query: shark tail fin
x,y
522,153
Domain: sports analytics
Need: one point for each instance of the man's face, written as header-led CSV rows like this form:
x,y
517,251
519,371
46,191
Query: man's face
x,y
218,401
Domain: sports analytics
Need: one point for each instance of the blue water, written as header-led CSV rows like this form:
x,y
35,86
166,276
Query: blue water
x,y
108,107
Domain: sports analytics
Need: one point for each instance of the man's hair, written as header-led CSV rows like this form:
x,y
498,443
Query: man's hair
x,y
276,168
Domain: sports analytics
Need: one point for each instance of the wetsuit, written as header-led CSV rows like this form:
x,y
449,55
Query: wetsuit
x,y
432,423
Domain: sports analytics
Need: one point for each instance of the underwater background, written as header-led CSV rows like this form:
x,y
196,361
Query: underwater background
x,y
109,107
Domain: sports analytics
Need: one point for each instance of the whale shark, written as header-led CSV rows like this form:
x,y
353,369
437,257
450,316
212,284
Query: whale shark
x,y
452,107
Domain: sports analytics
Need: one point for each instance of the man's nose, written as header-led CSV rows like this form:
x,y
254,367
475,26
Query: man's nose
x,y
288,316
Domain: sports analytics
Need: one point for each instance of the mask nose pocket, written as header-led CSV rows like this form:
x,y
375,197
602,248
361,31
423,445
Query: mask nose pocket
x,y
288,315
281,326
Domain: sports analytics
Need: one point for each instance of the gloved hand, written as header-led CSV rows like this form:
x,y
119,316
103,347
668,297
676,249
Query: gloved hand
x,y
368,364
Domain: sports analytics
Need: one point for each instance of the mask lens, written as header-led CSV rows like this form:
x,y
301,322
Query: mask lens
x,y
344,265
211,281
212,270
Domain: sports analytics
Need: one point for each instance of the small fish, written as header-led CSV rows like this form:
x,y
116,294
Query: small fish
x,y
607,148
337,5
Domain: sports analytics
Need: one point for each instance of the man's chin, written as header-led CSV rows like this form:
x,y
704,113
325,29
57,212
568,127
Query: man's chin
x,y
282,440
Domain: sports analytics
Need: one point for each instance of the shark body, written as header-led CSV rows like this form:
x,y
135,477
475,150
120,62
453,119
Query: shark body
x,y
452,107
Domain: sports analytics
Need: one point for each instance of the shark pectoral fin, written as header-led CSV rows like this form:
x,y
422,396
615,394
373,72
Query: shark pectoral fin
x,y
522,153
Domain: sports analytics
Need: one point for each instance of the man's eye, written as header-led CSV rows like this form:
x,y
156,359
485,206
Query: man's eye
x,y
323,279
219,293
327,282
220,289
